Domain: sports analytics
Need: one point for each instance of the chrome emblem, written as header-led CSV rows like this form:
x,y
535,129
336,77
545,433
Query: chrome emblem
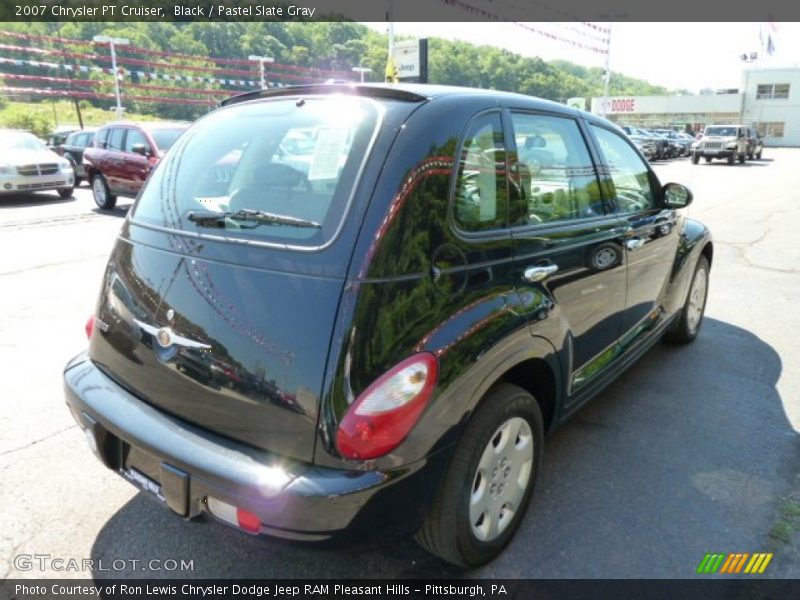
x,y
170,315
164,337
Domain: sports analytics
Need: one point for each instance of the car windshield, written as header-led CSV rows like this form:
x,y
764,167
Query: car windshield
x,y
279,170
721,131
164,138
20,141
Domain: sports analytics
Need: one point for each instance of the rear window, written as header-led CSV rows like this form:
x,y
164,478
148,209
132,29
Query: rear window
x,y
165,138
293,163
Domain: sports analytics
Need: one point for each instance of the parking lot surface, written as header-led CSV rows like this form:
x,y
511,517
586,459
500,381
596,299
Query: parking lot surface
x,y
693,450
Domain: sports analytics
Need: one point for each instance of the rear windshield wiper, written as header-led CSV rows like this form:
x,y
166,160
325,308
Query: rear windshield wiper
x,y
246,218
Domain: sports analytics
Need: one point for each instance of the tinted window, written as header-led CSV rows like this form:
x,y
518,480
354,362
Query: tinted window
x,y
100,138
557,178
481,201
134,137
232,160
164,138
115,139
628,172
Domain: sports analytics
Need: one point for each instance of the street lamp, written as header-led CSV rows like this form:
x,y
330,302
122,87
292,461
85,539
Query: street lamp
x,y
361,70
261,60
111,41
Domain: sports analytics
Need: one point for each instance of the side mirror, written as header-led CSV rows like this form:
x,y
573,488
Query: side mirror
x,y
676,195
140,149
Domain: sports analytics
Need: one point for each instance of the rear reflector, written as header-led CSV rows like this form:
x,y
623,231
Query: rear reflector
x,y
384,414
89,327
233,515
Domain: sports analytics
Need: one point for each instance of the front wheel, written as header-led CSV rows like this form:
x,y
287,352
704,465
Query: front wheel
x,y
758,155
490,481
65,192
708,159
741,159
688,323
695,158
101,193
732,159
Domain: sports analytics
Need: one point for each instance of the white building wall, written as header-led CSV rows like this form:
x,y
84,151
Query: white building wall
x,y
786,110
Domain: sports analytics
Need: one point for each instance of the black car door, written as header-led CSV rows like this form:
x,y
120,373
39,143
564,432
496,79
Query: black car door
x,y
650,237
566,245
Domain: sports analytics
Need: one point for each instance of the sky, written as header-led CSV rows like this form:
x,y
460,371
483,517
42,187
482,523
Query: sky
x,y
690,56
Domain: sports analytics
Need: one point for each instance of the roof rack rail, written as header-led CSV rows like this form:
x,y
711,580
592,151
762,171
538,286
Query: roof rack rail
x,y
370,91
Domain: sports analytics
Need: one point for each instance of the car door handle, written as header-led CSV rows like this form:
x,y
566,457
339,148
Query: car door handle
x,y
634,244
539,273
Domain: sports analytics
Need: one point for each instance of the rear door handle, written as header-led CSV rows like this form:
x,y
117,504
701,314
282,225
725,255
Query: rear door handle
x,y
539,273
634,244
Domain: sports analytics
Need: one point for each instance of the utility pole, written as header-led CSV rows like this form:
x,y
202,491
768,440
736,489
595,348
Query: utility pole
x,y
261,60
111,41
607,76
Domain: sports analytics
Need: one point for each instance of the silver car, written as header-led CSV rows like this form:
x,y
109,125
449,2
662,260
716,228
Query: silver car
x,y
27,165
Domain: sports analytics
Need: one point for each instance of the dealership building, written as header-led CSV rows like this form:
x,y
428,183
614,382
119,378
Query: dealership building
x,y
769,100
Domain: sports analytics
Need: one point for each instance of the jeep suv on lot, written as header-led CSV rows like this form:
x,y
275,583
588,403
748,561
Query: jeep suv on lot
x,y
123,154
377,337
722,141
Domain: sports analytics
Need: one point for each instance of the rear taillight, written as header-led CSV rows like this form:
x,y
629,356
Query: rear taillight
x,y
89,327
384,414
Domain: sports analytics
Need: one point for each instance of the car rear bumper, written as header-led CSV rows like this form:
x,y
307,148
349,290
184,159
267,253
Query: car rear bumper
x,y
183,466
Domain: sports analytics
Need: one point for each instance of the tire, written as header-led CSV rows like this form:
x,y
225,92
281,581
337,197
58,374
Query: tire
x,y
452,528
78,181
732,159
708,159
65,192
687,325
758,155
741,159
695,159
101,193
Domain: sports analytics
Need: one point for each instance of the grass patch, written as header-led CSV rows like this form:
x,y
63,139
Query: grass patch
x,y
41,118
791,510
782,531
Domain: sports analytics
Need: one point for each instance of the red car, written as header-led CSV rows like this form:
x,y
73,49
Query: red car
x,y
122,156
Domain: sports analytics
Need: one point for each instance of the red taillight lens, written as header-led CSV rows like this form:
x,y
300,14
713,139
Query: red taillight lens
x,y
89,327
247,521
385,413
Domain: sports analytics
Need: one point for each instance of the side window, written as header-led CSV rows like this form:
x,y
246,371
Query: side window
x,y
101,138
134,137
481,201
115,138
556,176
628,172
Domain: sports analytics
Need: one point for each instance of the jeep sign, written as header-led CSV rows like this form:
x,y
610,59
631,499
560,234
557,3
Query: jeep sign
x,y
407,58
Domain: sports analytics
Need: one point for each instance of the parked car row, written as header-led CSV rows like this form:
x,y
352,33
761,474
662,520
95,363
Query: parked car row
x,y
659,144
116,159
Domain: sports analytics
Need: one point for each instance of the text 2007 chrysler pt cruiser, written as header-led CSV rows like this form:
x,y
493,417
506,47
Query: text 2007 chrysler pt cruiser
x,y
338,309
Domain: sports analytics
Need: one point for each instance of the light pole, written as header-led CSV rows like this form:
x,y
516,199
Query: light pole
x,y
261,60
111,41
361,70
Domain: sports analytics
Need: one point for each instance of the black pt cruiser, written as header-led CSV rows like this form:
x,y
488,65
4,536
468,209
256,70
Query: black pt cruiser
x,y
341,309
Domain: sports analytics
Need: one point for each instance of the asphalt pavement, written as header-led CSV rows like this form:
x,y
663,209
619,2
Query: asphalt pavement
x,y
694,450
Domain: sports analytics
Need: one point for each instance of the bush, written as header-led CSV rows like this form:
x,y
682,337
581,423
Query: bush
x,y
38,124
